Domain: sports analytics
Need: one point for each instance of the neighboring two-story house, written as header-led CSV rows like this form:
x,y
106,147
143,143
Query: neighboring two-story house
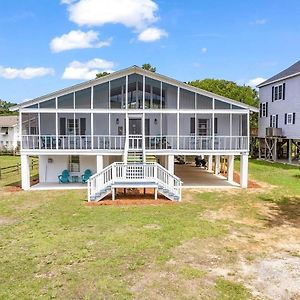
x,y
9,133
127,127
279,117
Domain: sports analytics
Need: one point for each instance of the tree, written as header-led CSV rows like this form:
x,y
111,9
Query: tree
x,y
232,90
4,108
102,74
148,67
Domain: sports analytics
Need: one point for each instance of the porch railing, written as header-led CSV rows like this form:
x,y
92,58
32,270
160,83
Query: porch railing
x,y
135,142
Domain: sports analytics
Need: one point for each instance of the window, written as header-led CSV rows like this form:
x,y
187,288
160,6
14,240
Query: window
x,y
202,127
289,118
74,163
264,109
274,121
70,126
278,92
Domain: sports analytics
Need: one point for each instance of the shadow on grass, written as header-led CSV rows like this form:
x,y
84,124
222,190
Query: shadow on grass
x,y
286,210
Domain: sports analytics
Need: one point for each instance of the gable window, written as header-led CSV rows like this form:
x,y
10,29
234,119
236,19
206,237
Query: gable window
x,y
289,118
74,163
278,92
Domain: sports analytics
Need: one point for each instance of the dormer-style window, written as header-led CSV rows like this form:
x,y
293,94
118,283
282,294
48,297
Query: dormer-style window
x,y
278,92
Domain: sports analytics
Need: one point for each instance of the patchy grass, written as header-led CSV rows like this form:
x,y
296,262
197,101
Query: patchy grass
x,y
228,290
54,246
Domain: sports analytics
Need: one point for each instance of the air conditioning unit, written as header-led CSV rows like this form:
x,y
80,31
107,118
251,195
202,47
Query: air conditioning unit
x,y
274,132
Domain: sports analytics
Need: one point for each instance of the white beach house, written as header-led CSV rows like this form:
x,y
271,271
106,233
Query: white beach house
x,y
126,128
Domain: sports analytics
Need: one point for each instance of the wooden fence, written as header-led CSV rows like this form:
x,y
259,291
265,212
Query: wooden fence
x,y
16,169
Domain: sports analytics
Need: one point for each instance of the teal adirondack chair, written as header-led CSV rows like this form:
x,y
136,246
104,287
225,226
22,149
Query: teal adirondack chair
x,y
85,177
64,177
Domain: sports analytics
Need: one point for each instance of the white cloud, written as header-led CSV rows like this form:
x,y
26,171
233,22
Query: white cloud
x,y
259,22
26,73
78,39
87,70
152,34
255,81
136,14
204,50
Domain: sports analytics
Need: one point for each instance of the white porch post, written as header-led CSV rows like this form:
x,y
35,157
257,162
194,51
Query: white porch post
x,y
210,163
230,168
217,164
99,163
25,177
171,164
244,170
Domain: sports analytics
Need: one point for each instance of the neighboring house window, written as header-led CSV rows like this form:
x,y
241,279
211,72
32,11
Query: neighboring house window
x,y
74,163
289,118
264,109
278,92
274,121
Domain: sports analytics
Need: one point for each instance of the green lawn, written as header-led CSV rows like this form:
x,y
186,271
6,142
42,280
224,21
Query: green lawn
x,y
9,160
54,246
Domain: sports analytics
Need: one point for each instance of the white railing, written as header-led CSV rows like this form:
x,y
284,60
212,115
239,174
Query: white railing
x,y
135,142
109,142
134,173
159,142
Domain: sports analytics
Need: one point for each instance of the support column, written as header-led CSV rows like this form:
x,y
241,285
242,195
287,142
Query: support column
x,y
99,163
217,164
25,173
290,146
244,171
230,168
171,164
210,163
275,150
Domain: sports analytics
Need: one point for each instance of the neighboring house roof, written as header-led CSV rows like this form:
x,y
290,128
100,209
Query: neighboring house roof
x,y
9,121
291,71
128,71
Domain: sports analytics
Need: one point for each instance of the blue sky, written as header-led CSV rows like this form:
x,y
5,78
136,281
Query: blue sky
x,y
46,45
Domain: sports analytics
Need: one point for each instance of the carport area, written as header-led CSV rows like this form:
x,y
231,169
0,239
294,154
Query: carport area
x,y
193,176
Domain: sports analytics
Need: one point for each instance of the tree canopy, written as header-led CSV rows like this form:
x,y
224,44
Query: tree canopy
x,y
148,67
4,108
229,89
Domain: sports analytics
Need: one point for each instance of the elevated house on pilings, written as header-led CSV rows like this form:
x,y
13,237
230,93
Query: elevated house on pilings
x,y
127,128
279,116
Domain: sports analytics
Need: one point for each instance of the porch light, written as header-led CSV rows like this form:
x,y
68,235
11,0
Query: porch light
x,y
155,121
117,121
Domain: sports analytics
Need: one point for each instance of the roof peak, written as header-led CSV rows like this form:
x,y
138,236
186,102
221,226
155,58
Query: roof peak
x,y
288,72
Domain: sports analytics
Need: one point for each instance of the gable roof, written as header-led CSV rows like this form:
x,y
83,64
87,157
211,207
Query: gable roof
x,y
291,71
9,121
128,71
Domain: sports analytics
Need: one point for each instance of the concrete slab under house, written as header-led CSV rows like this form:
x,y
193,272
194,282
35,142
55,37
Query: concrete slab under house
x,y
127,129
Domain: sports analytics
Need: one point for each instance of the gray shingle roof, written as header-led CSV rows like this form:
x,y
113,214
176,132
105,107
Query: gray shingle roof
x,y
8,121
290,71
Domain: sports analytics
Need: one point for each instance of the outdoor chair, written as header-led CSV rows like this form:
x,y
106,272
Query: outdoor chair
x,y
64,177
85,177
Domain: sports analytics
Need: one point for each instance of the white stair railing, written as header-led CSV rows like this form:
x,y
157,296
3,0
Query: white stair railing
x,y
127,173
